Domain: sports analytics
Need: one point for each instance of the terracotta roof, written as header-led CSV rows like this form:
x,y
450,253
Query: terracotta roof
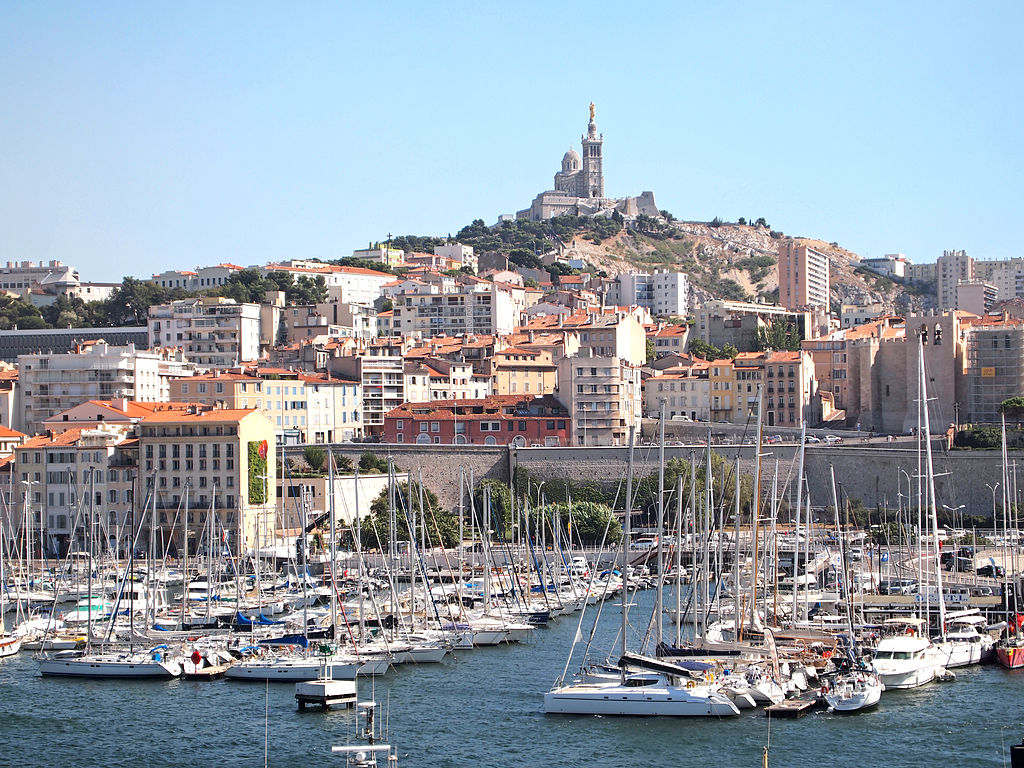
x,y
7,433
213,414
68,437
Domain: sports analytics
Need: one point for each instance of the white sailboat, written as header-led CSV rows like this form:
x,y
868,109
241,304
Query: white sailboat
x,y
152,663
645,686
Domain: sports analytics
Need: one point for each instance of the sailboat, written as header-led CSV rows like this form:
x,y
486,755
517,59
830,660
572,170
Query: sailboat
x,y
644,686
9,644
856,685
154,662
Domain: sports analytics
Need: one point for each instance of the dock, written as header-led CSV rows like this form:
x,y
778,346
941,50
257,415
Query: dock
x,y
794,708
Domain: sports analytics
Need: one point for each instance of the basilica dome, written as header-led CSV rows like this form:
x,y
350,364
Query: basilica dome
x,y
570,161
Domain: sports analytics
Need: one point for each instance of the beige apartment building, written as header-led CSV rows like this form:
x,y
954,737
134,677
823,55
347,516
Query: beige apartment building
x,y
803,276
225,458
604,397
518,370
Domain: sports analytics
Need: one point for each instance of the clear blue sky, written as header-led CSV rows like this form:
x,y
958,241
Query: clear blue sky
x,y
137,137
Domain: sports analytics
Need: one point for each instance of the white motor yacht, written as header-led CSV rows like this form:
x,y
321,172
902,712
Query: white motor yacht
x,y
906,660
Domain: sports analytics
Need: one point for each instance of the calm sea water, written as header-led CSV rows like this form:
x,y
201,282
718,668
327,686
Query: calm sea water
x,y
484,708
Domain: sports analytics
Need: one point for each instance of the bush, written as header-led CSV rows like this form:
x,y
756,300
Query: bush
x,y
371,462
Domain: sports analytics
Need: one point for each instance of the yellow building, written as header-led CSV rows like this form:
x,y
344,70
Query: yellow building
x,y
517,370
225,458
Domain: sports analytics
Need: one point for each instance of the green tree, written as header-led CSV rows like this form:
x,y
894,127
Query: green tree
x,y
441,528
16,312
371,462
703,349
342,464
307,290
651,351
1013,408
584,521
729,351
315,457
778,335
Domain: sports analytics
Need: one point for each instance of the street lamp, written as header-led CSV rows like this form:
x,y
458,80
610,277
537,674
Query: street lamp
x,y
954,510
993,489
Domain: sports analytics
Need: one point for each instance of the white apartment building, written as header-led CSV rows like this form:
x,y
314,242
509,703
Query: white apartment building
x,y
474,308
348,285
604,398
381,379
664,293
890,265
951,268
686,394
52,383
213,332
1006,275
200,279
435,379
463,254
393,257
803,276
20,276
975,296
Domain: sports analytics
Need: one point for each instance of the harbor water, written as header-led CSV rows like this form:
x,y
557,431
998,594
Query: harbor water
x,y
484,708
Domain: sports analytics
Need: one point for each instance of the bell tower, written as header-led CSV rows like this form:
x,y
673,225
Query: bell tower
x,y
593,176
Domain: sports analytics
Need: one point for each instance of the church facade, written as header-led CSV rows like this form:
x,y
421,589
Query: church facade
x,y
579,186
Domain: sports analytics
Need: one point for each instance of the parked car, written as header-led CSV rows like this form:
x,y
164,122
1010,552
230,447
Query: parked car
x,y
811,439
992,571
773,439
833,439
856,553
981,591
898,587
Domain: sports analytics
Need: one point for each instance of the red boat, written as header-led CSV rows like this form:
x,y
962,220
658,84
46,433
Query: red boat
x,y
1011,654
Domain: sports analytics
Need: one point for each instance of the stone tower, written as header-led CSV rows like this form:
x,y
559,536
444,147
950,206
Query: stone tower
x,y
592,180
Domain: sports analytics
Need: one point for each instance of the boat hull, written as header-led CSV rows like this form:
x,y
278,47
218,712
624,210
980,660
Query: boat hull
x,y
1010,657
638,702
100,668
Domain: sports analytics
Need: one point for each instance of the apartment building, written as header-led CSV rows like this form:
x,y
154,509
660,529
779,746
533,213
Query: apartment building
x,y
789,388
518,420
521,370
604,397
803,276
199,279
213,332
225,458
52,383
380,374
950,269
429,379
663,293
303,407
975,296
472,307
686,393
669,339
67,475
721,322
22,276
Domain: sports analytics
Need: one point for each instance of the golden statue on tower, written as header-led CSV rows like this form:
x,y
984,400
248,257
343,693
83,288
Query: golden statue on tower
x,y
591,111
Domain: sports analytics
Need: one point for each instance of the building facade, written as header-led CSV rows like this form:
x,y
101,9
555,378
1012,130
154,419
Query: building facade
x,y
51,383
213,332
803,276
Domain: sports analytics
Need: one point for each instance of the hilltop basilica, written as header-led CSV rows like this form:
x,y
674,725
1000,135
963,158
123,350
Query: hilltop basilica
x,y
579,186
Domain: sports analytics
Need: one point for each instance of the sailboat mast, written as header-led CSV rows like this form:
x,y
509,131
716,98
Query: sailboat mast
x,y
931,494
626,529
661,525
679,557
334,536
359,569
799,501
88,587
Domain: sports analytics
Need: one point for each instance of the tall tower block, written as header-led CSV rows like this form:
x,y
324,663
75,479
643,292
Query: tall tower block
x,y
593,175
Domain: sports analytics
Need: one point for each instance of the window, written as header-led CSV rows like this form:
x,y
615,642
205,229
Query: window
x,y
435,426
424,426
399,424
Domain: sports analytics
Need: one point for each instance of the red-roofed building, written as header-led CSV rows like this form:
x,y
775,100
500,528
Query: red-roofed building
x,y
496,420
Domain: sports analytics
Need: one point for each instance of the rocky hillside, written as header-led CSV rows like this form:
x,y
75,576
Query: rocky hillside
x,y
736,261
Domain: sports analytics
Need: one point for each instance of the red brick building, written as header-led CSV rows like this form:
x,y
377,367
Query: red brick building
x,y
521,420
